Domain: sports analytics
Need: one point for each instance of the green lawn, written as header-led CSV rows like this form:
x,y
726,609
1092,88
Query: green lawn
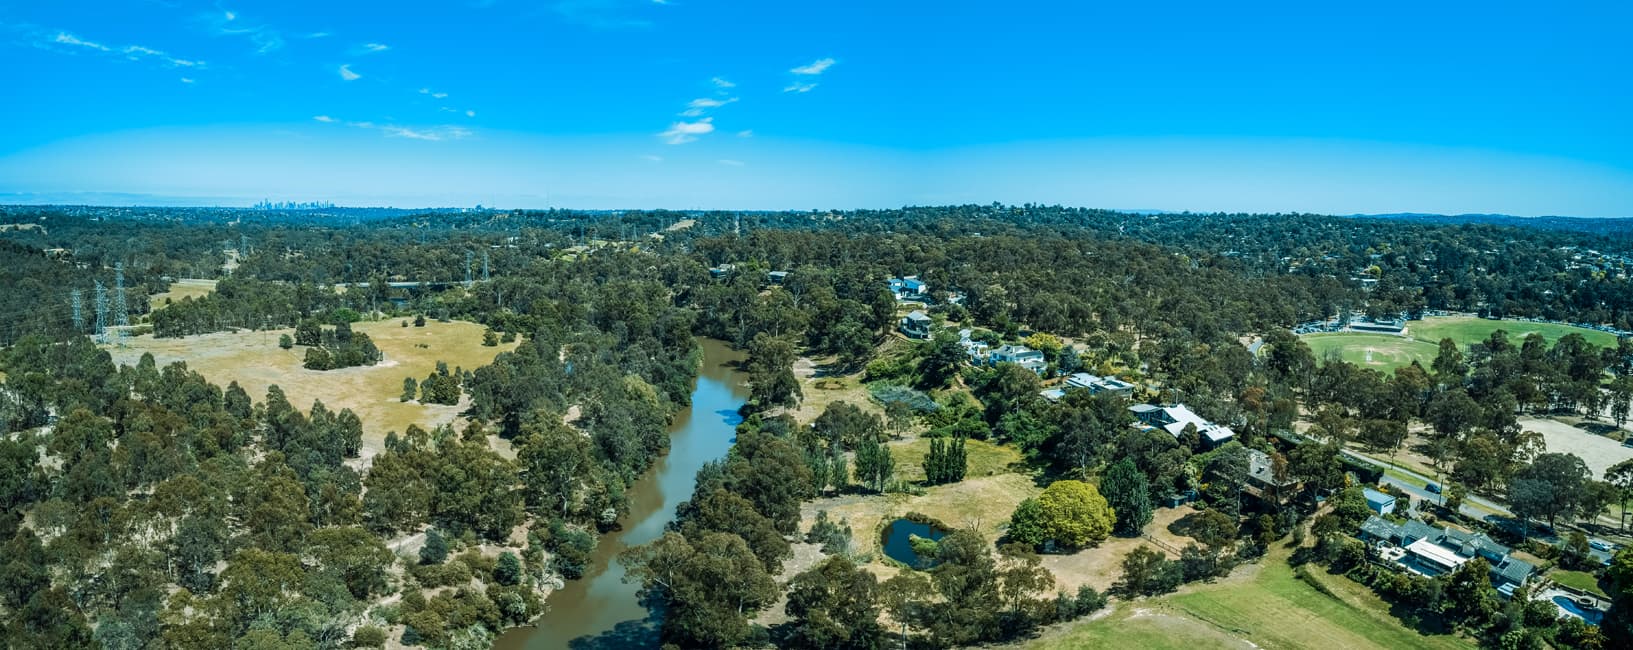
x,y
1381,352
1470,329
1577,580
1274,609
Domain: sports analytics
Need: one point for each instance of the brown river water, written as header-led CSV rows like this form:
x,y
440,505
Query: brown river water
x,y
601,610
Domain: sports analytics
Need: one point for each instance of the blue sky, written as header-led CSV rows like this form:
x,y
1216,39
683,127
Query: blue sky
x,y
1297,106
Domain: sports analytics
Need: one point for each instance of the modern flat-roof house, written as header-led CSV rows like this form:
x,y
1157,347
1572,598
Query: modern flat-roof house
x,y
1174,417
916,325
1432,551
1379,502
909,288
776,277
1019,355
1096,385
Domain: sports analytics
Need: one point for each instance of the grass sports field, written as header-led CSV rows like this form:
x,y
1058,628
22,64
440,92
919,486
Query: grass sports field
x,y
1381,352
1259,607
1469,329
1423,340
254,360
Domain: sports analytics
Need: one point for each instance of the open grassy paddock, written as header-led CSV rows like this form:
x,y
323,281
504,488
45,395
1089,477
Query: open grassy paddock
x,y
985,458
254,360
183,288
1258,607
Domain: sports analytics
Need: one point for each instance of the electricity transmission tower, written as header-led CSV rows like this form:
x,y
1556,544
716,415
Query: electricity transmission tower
x,y
484,266
469,260
101,313
78,300
121,311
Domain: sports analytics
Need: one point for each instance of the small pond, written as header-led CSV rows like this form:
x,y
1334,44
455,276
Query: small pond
x,y
898,536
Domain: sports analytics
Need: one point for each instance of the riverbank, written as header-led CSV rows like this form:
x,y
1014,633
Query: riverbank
x,y
600,610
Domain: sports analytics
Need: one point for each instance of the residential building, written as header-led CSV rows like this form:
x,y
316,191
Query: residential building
x,y
1096,385
776,277
909,288
1019,355
916,325
1262,481
1380,502
975,350
1426,550
1173,419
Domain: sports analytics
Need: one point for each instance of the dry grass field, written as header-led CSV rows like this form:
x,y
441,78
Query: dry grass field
x,y
254,360
183,288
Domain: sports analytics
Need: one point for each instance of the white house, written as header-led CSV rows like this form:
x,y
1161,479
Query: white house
x,y
1096,385
1019,355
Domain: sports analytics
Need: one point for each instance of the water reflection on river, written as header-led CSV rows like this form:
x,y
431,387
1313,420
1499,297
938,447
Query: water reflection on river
x,y
600,610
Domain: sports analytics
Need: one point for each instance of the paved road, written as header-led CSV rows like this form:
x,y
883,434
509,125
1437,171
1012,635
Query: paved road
x,y
1473,507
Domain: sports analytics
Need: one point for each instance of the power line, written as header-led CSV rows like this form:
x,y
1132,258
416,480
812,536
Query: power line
x,y
101,313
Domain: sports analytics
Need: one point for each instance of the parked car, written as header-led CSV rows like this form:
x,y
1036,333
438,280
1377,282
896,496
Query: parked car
x,y
1432,488
1601,545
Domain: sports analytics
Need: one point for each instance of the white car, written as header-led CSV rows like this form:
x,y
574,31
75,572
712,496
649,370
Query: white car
x,y
1601,545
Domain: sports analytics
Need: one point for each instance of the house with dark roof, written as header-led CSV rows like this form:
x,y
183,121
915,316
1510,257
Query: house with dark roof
x,y
1262,481
1430,551
909,288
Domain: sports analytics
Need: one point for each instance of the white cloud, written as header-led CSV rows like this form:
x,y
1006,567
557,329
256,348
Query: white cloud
x,y
652,158
347,74
745,133
375,47
66,38
697,106
230,16
816,67
731,163
438,95
436,134
684,132
318,35
470,113
226,23
324,119
130,52
186,80
798,87
722,83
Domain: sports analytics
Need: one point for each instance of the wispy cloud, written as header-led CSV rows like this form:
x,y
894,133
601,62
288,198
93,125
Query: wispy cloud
x,y
815,67
435,94
652,158
65,38
470,113
425,133
347,74
730,163
318,35
798,87
375,47
130,52
722,83
434,134
697,106
186,80
745,133
684,132
227,23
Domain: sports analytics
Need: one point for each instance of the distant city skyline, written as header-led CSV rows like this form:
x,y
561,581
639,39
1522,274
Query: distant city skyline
x,y
1388,107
